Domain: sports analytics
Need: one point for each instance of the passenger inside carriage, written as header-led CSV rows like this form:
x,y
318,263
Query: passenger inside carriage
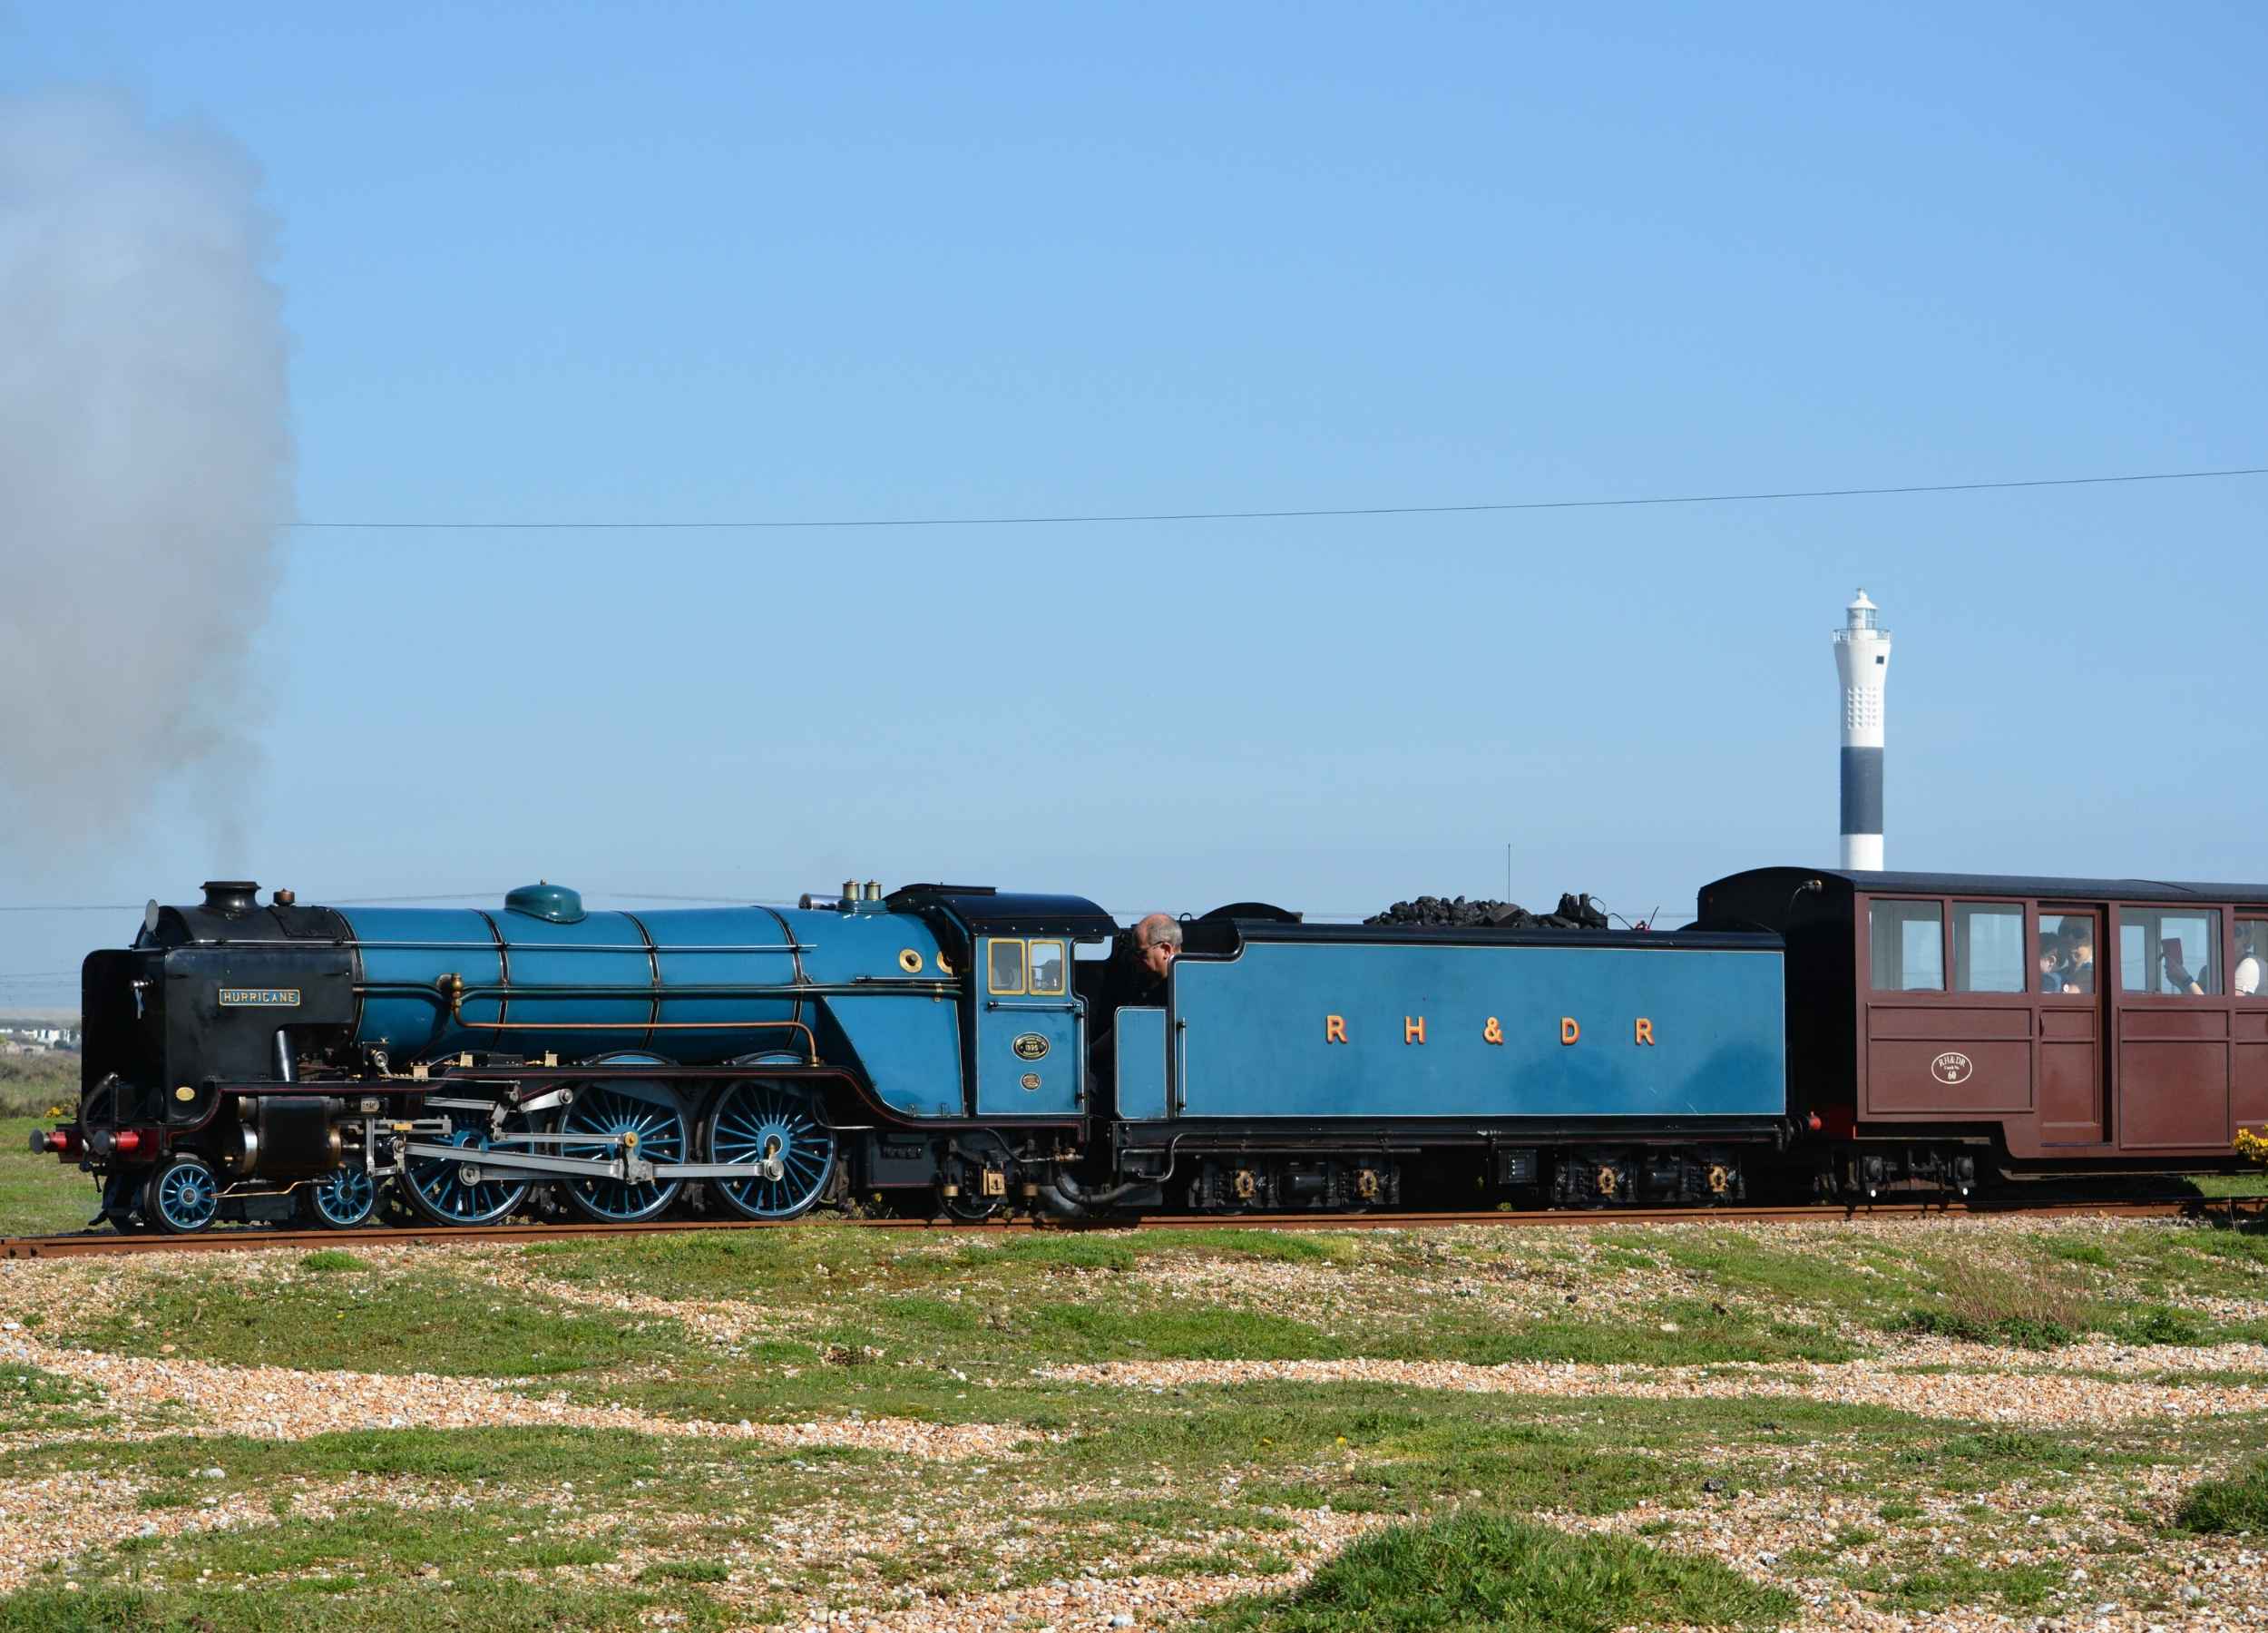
x,y
2051,964
2079,954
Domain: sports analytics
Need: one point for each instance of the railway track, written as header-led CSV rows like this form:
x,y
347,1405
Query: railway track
x,y
95,1243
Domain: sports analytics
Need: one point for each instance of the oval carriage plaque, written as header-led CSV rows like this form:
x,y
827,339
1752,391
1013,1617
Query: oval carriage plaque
x,y
1952,1066
1030,1046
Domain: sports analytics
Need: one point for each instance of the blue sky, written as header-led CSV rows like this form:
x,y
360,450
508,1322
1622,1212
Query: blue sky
x,y
714,261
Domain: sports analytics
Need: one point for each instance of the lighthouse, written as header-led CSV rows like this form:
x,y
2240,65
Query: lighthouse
x,y
1862,661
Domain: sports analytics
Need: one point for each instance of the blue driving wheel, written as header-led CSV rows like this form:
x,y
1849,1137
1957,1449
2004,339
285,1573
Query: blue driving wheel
x,y
183,1196
456,1190
341,1199
777,1129
634,1119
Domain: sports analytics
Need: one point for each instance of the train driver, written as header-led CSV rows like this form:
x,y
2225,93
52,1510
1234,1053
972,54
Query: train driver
x,y
1139,962
1135,974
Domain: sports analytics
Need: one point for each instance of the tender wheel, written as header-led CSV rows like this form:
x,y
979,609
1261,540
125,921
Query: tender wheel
x,y
183,1196
777,1128
340,1200
647,1121
456,1190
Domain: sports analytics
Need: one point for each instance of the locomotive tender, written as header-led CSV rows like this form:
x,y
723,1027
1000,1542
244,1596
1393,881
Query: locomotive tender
x,y
945,1048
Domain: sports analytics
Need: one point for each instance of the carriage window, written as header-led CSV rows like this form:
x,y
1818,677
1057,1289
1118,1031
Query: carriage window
x,y
2066,954
1005,967
2249,978
1907,946
1987,948
2169,950
1047,968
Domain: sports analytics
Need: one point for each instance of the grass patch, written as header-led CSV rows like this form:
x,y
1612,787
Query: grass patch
x,y
38,1195
2219,1507
332,1259
429,1320
1082,1251
347,1604
33,1085
2028,1305
1675,1332
31,1398
1280,1246
1479,1570
2162,1323
1941,1583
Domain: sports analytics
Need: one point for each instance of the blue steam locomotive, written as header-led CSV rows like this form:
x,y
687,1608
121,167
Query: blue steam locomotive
x,y
941,1048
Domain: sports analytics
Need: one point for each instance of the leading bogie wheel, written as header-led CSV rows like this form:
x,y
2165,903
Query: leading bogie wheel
x,y
457,1190
637,1119
779,1129
183,1195
341,1199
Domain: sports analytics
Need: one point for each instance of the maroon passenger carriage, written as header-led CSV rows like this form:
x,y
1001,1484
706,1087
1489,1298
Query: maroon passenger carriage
x,y
1940,1023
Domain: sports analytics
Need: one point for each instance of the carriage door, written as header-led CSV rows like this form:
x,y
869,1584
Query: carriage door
x,y
1028,1058
2173,1028
2074,1066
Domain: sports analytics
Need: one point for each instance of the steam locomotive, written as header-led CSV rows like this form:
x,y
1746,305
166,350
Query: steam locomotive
x,y
952,1048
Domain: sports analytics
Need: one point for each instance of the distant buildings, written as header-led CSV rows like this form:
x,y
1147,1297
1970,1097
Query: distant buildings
x,y
37,1039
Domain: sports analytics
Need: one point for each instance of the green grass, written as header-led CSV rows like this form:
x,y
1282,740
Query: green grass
x,y
1479,1570
31,1398
430,1320
38,1195
2238,1504
31,1084
1193,1478
1938,1583
332,1258
345,1604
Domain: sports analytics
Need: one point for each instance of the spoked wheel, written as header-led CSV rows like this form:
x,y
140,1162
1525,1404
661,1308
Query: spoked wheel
x,y
456,1190
778,1130
340,1200
183,1195
632,1119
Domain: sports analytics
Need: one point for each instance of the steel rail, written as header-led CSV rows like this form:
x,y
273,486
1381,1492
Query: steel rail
x,y
93,1243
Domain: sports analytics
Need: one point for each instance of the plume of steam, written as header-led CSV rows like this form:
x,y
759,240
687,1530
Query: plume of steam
x,y
145,463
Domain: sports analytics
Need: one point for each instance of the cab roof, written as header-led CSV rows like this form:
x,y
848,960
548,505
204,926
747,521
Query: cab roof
x,y
983,911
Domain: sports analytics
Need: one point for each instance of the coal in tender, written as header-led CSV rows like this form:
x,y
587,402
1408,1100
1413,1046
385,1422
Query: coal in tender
x,y
1576,911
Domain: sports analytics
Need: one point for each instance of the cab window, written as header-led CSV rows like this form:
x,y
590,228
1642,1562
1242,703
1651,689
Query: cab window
x,y
1005,968
1047,968
1907,946
2171,951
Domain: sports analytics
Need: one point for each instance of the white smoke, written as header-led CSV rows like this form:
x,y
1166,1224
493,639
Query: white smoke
x,y
145,463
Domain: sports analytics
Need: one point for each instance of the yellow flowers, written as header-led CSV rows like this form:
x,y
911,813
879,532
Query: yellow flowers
x,y
2252,1145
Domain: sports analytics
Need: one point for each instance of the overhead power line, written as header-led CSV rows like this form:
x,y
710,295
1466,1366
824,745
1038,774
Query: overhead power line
x,y
761,524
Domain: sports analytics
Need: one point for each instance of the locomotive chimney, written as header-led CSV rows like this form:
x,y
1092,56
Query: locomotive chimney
x,y
1862,660
234,897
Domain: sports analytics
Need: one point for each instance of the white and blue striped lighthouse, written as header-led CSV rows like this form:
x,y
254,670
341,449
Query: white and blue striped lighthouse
x,y
1862,660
